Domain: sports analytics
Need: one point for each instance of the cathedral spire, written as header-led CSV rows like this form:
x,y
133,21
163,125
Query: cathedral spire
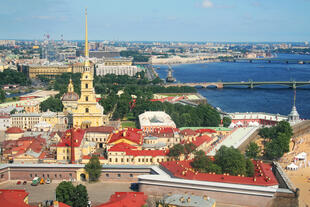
x,y
86,36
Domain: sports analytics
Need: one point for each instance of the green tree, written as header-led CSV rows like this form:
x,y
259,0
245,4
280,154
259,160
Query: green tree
x,y
93,168
176,151
2,96
81,196
52,104
249,168
65,193
230,160
252,150
226,121
279,140
189,148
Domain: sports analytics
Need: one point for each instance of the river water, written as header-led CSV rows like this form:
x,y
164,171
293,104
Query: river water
x,y
271,99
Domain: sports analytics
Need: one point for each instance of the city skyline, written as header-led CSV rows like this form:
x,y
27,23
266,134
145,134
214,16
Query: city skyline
x,y
199,20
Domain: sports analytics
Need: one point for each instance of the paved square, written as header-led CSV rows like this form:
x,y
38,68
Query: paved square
x,y
98,192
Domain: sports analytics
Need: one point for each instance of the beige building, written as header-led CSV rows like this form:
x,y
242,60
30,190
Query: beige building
x,y
99,135
79,67
48,70
117,61
25,120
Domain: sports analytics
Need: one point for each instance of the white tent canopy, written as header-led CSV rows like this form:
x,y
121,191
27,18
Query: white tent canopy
x,y
239,123
232,125
255,123
292,166
301,156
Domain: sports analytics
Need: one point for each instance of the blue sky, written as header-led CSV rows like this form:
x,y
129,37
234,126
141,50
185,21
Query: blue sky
x,y
161,20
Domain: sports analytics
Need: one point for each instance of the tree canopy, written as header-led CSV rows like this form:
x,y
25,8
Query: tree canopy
x,y
14,77
226,160
73,196
252,150
2,96
93,168
52,104
277,140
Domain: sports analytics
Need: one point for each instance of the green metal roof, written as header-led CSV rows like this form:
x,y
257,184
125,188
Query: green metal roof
x,y
214,128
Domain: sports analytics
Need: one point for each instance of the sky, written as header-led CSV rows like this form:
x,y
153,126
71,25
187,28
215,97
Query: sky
x,y
157,20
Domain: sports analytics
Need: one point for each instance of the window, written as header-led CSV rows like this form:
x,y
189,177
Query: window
x,y
119,175
31,175
35,175
122,160
86,85
43,175
48,175
86,98
116,160
70,174
107,175
131,175
55,175
86,110
60,175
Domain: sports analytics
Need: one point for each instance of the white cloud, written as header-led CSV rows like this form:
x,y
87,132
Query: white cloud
x,y
207,4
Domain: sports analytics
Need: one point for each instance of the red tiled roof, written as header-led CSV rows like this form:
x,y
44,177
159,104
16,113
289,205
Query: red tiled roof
x,y
13,198
211,131
164,132
14,130
188,132
77,135
131,150
122,147
197,141
126,199
183,169
102,129
129,134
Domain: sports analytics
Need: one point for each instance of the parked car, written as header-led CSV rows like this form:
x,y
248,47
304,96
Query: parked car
x,y
19,182
25,182
48,181
35,181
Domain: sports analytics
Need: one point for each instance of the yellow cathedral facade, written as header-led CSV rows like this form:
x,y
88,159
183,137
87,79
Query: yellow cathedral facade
x,y
86,111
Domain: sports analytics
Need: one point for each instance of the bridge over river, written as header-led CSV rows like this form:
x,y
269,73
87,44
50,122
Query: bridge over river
x,y
249,84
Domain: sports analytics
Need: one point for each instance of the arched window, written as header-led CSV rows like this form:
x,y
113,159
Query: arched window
x,y
86,110
86,85
86,98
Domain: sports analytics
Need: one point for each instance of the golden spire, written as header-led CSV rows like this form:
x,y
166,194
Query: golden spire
x,y
70,86
86,36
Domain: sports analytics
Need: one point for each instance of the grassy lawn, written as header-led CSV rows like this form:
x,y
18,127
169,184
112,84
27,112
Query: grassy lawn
x,y
126,124
129,117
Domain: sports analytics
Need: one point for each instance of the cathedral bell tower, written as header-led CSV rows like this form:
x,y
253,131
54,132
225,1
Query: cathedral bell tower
x,y
89,113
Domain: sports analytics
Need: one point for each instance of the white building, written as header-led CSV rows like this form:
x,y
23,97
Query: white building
x,y
130,70
4,121
155,119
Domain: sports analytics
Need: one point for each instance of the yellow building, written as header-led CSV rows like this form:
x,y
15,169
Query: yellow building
x,y
88,113
48,70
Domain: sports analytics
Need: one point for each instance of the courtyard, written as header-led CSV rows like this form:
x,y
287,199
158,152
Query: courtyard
x,y
98,192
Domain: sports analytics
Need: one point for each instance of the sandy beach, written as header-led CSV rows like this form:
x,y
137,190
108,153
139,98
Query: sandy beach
x,y
301,177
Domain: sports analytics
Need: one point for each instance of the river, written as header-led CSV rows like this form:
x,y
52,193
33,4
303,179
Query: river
x,y
271,99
